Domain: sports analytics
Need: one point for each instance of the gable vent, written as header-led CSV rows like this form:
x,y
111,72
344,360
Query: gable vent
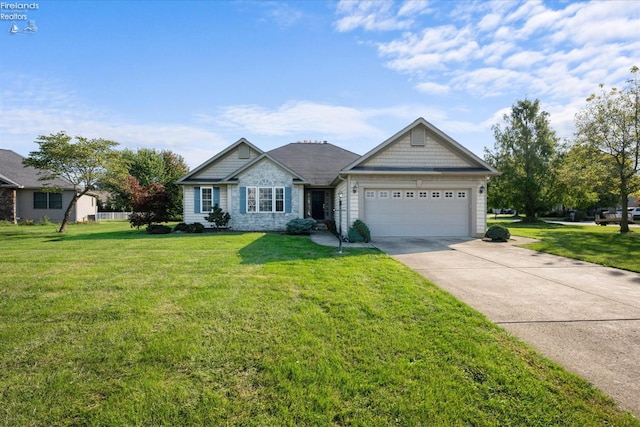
x,y
244,152
418,136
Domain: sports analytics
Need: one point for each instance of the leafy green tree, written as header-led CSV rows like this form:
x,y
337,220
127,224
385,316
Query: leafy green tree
x,y
610,125
84,163
583,179
149,166
525,152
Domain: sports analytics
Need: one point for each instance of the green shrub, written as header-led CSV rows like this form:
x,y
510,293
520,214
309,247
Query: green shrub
x,y
498,233
361,229
182,227
158,229
196,227
300,225
218,217
354,236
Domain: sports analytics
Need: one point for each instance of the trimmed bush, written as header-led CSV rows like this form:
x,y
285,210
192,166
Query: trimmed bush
x,y
158,229
300,225
196,227
182,227
359,228
354,236
498,233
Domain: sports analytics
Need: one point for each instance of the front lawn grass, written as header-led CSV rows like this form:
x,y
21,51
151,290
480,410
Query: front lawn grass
x,y
106,325
592,243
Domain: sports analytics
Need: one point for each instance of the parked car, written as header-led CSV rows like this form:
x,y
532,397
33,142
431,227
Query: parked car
x,y
634,213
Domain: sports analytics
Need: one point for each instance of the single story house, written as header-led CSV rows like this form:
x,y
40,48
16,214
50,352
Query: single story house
x,y
24,197
419,182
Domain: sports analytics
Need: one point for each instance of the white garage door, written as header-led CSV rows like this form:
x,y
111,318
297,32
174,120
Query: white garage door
x,y
413,212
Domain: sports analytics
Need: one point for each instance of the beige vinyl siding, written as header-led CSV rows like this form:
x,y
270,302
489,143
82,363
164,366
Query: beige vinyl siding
x,y
403,154
226,165
189,214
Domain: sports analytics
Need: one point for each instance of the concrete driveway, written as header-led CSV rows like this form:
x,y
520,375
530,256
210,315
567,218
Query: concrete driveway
x,y
583,316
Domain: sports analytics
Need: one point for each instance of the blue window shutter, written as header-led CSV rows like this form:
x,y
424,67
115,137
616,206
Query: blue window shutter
x,y
216,196
287,199
196,199
243,199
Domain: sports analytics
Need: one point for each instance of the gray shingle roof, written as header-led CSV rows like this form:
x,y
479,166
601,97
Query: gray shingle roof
x,y
14,174
318,163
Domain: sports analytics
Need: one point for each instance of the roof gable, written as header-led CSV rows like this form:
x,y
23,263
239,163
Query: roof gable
x,y
420,147
317,163
264,157
14,174
226,162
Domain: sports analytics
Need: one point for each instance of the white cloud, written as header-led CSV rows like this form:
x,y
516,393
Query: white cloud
x,y
525,59
374,15
434,88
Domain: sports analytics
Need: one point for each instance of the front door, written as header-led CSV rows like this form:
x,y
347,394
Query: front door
x,y
317,205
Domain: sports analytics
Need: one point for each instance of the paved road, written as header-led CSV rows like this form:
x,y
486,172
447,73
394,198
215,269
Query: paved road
x,y
581,315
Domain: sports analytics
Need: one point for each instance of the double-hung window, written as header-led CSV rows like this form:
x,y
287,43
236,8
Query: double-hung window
x,y
206,199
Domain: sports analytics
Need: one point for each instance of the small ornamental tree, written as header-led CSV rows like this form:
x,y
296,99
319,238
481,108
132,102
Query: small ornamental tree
x,y
83,163
218,217
150,203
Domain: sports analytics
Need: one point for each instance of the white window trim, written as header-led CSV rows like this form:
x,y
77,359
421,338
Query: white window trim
x,y
274,200
202,209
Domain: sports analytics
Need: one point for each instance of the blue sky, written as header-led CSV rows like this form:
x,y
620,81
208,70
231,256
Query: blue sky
x,y
195,76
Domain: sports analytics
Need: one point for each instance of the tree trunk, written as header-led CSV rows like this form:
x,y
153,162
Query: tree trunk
x,y
624,201
67,213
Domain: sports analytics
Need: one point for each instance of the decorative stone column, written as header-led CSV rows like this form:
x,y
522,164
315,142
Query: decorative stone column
x,y
8,204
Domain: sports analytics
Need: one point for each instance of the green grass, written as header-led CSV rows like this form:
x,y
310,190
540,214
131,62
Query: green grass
x,y
592,243
106,325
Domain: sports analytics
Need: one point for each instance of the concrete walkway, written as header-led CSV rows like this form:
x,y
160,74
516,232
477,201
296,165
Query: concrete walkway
x,y
581,315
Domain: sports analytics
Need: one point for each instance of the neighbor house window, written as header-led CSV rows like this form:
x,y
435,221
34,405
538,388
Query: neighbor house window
x,y
55,200
43,200
265,199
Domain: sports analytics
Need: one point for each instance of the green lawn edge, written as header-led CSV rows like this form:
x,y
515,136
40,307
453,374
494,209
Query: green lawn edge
x,y
591,243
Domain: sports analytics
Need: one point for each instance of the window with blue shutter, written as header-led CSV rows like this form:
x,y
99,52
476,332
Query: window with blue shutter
x,y
196,199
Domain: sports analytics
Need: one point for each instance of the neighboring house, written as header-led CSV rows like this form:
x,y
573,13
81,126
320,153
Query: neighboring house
x,y
419,182
22,195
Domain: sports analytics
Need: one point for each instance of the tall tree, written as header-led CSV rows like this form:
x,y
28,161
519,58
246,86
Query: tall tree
x,y
583,180
610,124
149,166
525,152
83,163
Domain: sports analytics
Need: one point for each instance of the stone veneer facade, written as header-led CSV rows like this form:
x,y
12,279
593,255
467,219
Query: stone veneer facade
x,y
8,204
264,174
